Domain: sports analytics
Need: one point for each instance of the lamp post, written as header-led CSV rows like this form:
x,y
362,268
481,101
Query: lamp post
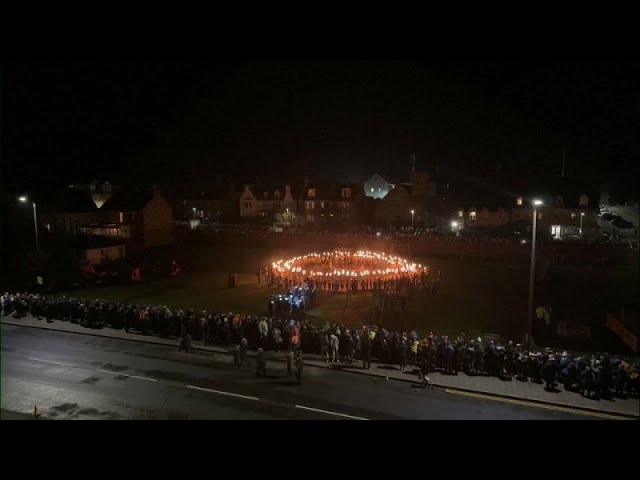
x,y
581,218
194,212
412,212
24,199
536,203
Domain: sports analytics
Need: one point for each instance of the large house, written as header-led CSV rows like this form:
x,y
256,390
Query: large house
x,y
406,204
264,201
568,209
138,218
219,204
144,217
330,202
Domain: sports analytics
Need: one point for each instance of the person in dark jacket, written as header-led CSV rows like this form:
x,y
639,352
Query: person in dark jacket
x,y
549,372
366,350
261,364
404,350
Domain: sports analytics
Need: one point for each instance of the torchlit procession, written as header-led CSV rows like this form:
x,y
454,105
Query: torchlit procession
x,y
344,271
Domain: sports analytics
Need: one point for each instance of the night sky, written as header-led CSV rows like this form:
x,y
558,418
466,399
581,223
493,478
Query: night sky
x,y
184,122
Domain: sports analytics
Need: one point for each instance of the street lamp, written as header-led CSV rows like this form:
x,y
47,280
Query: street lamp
x,y
454,225
536,203
412,212
581,218
24,199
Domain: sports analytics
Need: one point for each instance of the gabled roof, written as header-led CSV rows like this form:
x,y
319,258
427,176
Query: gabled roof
x,y
259,190
128,200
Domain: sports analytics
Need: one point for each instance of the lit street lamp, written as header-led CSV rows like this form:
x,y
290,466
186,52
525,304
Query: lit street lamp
x,y
454,225
412,212
536,203
24,199
581,218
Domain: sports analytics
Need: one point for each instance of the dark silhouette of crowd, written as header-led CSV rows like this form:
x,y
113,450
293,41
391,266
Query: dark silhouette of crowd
x,y
599,375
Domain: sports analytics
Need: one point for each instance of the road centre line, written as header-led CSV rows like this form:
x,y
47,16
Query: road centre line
x,y
220,392
51,362
330,413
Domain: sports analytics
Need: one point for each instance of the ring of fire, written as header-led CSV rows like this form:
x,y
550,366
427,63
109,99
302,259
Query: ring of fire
x,y
359,264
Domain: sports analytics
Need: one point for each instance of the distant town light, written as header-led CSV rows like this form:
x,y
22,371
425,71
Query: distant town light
x,y
22,198
537,202
454,224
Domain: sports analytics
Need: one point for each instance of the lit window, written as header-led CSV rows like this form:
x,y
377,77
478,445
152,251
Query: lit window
x,y
519,201
460,213
346,192
373,189
310,205
573,215
121,217
312,193
321,204
539,215
472,215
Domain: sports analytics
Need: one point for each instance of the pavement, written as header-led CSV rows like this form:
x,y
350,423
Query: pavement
x,y
528,395
68,376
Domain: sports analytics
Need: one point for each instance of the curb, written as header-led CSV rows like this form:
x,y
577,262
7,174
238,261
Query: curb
x,y
321,364
491,394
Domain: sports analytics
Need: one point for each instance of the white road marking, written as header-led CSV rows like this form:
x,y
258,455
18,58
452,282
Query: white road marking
x,y
221,392
330,413
50,362
126,375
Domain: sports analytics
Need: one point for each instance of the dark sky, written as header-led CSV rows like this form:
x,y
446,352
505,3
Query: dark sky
x,y
181,122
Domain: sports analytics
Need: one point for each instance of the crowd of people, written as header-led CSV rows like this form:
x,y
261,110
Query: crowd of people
x,y
294,303
594,375
347,271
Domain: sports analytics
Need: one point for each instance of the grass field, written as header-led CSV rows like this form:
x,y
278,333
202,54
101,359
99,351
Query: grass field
x,y
473,296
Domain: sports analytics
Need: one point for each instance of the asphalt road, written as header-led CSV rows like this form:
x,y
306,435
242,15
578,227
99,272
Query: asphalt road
x,y
70,376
